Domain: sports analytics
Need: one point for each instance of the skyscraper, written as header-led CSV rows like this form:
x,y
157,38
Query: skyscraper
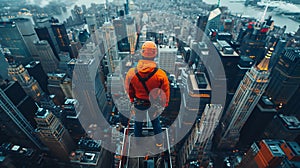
x,y
16,116
201,25
167,58
53,134
45,32
91,22
48,60
111,52
131,33
198,145
285,77
88,88
196,87
253,43
245,99
27,31
214,21
35,70
56,86
28,83
266,153
119,25
61,35
230,60
12,39
3,65
70,118
285,127
262,115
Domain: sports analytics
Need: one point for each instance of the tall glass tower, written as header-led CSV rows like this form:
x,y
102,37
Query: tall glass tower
x,y
13,121
11,38
245,99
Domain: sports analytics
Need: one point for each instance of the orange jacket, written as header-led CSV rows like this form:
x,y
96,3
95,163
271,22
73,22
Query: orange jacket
x,y
135,88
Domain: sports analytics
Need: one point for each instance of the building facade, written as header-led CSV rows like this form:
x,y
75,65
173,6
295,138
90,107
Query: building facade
x,y
29,84
245,99
53,134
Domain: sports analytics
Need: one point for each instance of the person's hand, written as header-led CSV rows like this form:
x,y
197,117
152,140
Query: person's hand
x,y
132,112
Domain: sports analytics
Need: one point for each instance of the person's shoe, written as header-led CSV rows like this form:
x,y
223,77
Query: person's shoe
x,y
160,146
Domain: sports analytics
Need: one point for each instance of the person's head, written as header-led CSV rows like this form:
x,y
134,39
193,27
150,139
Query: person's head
x,y
149,50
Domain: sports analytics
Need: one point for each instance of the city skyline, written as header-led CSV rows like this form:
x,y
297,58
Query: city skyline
x,y
62,95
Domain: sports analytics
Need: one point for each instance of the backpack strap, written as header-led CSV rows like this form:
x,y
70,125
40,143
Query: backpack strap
x,y
144,80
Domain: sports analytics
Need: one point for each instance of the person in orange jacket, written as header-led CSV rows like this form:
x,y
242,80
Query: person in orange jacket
x,y
148,89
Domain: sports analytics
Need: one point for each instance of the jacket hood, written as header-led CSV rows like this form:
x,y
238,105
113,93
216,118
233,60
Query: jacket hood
x,y
145,66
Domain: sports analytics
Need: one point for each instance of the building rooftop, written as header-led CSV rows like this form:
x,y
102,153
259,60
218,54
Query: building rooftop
x,y
267,101
202,79
290,122
264,64
71,102
56,75
42,113
294,146
90,144
274,147
85,157
213,14
41,42
72,62
32,64
16,149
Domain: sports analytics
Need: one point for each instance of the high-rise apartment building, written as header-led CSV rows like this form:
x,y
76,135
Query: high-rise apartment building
x,y
4,65
230,60
283,127
266,153
201,25
88,86
197,91
262,115
253,42
285,77
61,35
70,118
167,58
245,99
48,60
12,39
57,86
198,146
35,70
45,32
16,116
131,33
120,29
29,84
91,22
53,134
29,35
214,21
111,57
271,153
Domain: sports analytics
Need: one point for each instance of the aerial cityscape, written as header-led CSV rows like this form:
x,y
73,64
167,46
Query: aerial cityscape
x,y
230,96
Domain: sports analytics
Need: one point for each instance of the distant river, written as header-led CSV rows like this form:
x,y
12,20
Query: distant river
x,y
238,7
235,7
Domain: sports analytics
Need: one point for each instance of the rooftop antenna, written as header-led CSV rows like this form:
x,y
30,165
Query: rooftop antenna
x,y
37,105
262,19
106,13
